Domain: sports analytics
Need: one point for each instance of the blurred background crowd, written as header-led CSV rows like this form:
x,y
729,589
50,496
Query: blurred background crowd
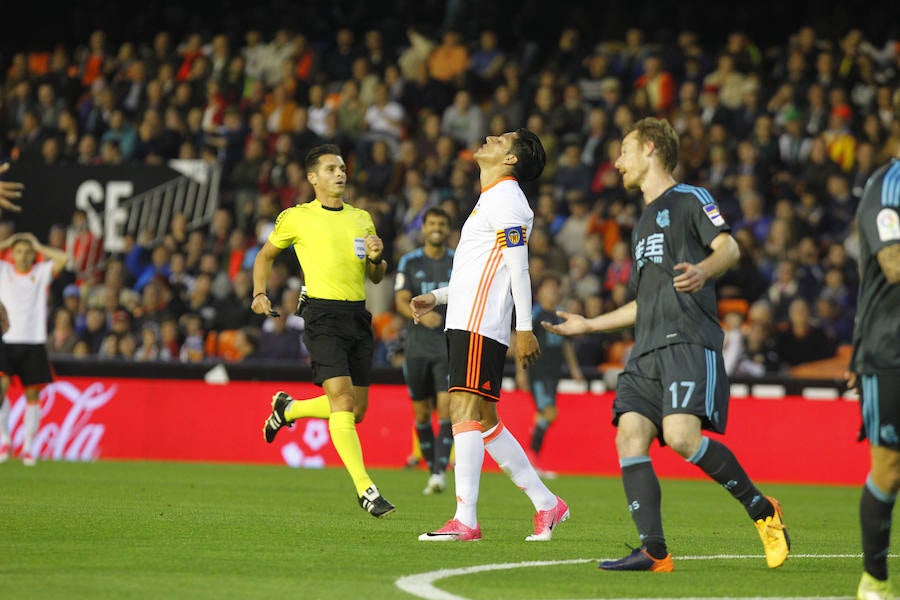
x,y
783,126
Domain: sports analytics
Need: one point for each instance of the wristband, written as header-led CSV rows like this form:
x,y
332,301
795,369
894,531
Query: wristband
x,y
375,262
259,294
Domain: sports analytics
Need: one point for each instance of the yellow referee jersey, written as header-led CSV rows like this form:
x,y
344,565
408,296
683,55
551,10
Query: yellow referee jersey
x,y
330,245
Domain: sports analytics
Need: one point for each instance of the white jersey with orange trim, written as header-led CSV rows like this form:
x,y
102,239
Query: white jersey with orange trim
x,y
490,265
25,297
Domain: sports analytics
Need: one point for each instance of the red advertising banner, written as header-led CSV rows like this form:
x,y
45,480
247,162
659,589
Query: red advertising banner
x,y
789,439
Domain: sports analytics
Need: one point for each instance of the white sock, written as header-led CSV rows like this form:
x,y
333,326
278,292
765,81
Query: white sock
x,y
4,423
32,422
506,450
467,473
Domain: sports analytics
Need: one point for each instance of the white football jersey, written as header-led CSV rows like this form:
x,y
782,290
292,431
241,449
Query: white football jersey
x,y
25,297
479,297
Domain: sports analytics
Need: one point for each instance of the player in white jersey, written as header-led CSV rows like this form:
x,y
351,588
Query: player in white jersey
x,y
489,278
24,287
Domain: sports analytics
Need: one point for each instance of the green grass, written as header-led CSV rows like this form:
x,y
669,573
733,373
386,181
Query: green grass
x,y
176,530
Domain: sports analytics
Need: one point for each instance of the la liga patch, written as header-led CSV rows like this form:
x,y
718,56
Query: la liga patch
x,y
888,224
712,212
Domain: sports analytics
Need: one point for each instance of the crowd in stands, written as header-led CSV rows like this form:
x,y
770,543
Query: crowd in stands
x,y
784,137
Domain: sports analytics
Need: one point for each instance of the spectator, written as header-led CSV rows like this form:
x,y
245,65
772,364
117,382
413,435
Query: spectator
x,y
801,340
760,356
385,118
233,311
834,320
659,84
63,336
448,61
95,329
464,121
193,348
145,265
337,62
486,62
150,348
280,342
619,270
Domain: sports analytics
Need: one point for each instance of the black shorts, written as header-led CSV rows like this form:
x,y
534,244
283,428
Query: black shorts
x,y
426,376
340,341
682,378
879,396
28,361
476,363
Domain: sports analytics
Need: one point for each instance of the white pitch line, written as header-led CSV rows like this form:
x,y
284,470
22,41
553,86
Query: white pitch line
x,y
421,585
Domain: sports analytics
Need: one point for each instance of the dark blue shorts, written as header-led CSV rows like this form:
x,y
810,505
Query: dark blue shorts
x,y
681,378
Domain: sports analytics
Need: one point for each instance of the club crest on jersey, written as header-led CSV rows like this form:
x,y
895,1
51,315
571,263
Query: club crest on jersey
x,y
712,211
888,224
662,218
514,236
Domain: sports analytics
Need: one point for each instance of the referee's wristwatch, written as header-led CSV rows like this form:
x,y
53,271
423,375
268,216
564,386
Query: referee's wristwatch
x,y
374,262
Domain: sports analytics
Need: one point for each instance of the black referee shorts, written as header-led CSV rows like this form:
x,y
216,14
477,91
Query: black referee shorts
x,y
340,340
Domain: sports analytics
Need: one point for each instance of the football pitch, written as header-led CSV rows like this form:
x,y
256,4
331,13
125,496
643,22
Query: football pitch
x,y
186,530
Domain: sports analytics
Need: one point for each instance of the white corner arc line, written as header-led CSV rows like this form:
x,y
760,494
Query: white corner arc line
x,y
421,585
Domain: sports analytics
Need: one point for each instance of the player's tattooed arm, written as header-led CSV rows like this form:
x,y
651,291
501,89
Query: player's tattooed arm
x,y
889,259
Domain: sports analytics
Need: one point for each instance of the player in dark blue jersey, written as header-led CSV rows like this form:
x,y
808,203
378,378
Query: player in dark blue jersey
x,y
875,365
674,385
542,377
425,364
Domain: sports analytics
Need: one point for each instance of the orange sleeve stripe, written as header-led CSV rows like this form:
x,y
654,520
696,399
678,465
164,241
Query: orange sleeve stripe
x,y
465,426
497,431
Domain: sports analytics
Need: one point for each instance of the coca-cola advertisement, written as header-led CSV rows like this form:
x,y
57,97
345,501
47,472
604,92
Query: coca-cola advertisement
x,y
85,419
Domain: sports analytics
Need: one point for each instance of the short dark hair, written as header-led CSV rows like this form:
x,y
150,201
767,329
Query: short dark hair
x,y
436,211
529,151
663,136
313,156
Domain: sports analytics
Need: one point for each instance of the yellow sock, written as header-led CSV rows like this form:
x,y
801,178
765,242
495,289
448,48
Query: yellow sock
x,y
317,407
342,426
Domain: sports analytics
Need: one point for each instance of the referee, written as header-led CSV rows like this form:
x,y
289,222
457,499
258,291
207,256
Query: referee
x,y
338,249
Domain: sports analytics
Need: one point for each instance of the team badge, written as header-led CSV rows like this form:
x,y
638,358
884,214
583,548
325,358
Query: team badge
x,y
662,218
712,212
888,224
514,236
